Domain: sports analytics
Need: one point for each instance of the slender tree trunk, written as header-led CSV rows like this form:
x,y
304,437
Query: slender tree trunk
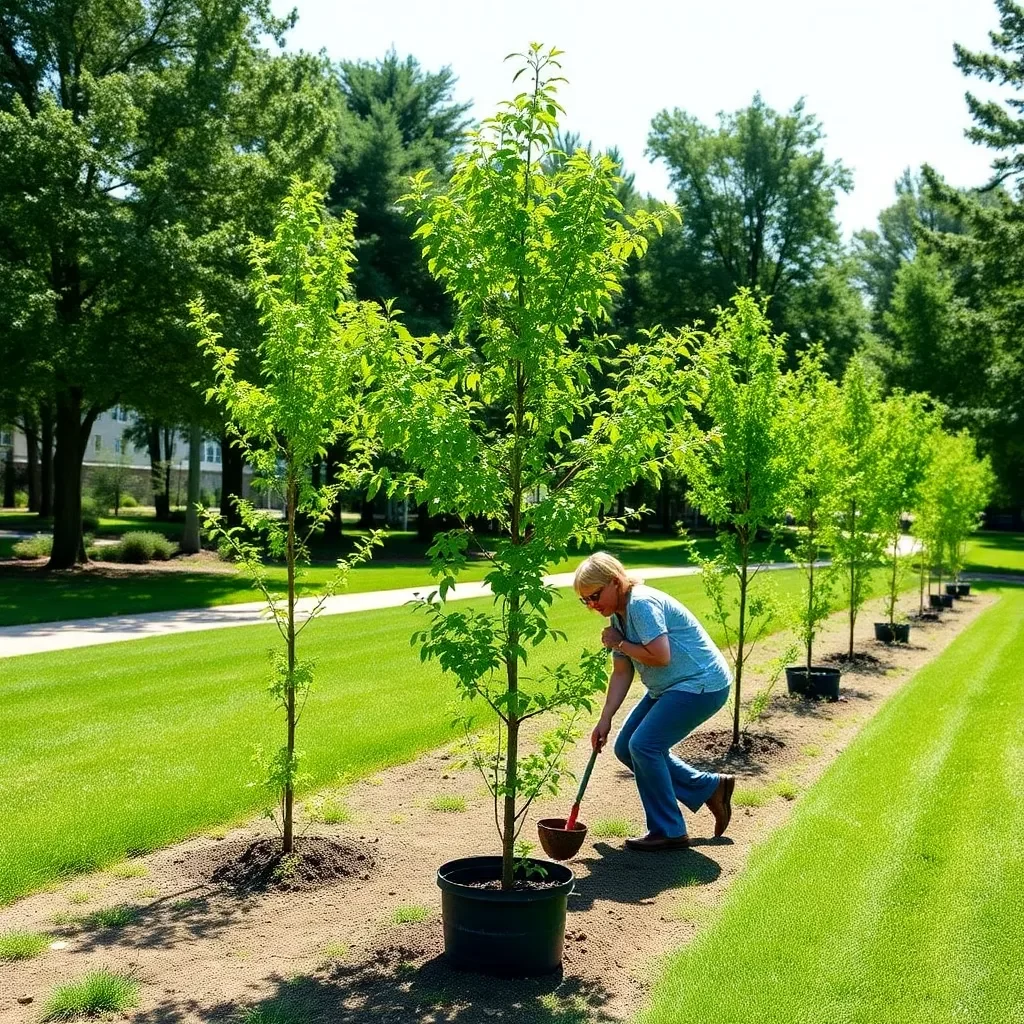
x,y
190,540
161,496
232,473
291,497
741,637
73,430
167,465
892,585
366,516
45,460
32,447
810,603
10,490
853,572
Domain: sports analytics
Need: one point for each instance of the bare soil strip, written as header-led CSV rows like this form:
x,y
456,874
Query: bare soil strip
x,y
205,951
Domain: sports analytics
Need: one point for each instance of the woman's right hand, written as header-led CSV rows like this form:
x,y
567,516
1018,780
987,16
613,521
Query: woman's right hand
x,y
599,737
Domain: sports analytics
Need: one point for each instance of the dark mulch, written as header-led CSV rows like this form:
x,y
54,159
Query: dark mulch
x,y
861,660
315,862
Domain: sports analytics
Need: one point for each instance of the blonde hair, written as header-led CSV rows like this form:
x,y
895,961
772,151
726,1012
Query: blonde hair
x,y
600,568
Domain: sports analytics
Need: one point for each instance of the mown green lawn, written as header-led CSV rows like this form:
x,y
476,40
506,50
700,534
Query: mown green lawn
x,y
126,747
32,595
995,551
896,892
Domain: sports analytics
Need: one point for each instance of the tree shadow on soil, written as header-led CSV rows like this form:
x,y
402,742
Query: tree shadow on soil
x,y
163,923
620,875
408,981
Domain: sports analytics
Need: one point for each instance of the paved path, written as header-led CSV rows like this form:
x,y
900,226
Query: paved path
x,y
57,636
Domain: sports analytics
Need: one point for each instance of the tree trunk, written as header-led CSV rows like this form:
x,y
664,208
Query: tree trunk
x,y
190,540
424,524
741,635
232,475
291,498
73,430
32,445
161,499
45,460
366,516
9,481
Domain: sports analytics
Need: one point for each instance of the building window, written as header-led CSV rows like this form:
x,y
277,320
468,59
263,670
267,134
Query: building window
x,y
119,414
117,446
6,437
211,452
97,442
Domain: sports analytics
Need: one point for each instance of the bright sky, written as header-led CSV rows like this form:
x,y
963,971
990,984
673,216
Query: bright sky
x,y
878,74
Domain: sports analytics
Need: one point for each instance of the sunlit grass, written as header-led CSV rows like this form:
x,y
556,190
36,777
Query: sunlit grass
x,y
878,903
96,994
19,945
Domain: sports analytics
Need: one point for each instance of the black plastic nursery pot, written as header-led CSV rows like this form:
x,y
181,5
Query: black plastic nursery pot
x,y
946,600
963,590
952,590
935,601
898,633
823,682
513,933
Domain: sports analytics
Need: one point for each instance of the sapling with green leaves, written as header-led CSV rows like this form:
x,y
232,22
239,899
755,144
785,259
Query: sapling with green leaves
x,y
810,407
954,492
314,357
740,470
904,429
503,419
857,544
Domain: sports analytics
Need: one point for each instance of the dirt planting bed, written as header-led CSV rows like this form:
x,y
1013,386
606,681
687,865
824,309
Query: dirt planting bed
x,y
357,936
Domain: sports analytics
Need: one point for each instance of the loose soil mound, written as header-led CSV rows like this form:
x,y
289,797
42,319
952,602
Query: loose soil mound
x,y
260,864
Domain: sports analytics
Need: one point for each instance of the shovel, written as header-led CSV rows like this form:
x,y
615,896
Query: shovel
x,y
562,838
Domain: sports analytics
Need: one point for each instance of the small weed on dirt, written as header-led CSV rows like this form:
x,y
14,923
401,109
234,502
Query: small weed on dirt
x,y
612,828
112,917
409,914
130,869
97,993
78,898
447,804
22,945
812,750
327,810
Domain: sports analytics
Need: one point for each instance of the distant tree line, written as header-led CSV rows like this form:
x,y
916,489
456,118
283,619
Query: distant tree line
x,y
144,142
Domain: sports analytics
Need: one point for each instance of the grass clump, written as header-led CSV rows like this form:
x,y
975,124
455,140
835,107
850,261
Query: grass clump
x,y
129,869
411,914
17,945
272,1013
38,546
113,917
97,993
447,804
811,750
327,810
754,796
612,828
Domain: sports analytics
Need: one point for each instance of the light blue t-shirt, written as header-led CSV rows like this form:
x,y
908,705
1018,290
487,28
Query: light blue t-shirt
x,y
696,664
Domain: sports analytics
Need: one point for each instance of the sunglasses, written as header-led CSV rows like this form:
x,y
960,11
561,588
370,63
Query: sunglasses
x,y
590,601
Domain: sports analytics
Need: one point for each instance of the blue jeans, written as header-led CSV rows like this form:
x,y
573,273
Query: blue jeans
x,y
643,745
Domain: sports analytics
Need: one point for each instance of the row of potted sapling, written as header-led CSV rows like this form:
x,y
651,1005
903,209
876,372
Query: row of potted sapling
x,y
527,416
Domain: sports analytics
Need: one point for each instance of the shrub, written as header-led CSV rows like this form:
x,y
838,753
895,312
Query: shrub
x,y
38,546
129,501
21,499
97,993
140,546
90,515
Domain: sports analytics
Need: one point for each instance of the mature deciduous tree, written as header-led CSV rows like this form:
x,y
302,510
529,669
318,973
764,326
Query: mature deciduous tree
x,y
757,198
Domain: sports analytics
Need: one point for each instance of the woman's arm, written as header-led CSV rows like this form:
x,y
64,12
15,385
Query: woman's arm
x,y
618,687
657,653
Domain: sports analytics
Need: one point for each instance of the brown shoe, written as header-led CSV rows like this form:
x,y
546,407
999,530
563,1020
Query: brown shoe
x,y
720,803
649,843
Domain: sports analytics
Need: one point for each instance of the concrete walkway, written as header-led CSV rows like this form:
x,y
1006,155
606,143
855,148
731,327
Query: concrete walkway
x,y
58,636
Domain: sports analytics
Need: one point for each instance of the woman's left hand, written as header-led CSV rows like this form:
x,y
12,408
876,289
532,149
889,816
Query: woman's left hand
x,y
610,637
